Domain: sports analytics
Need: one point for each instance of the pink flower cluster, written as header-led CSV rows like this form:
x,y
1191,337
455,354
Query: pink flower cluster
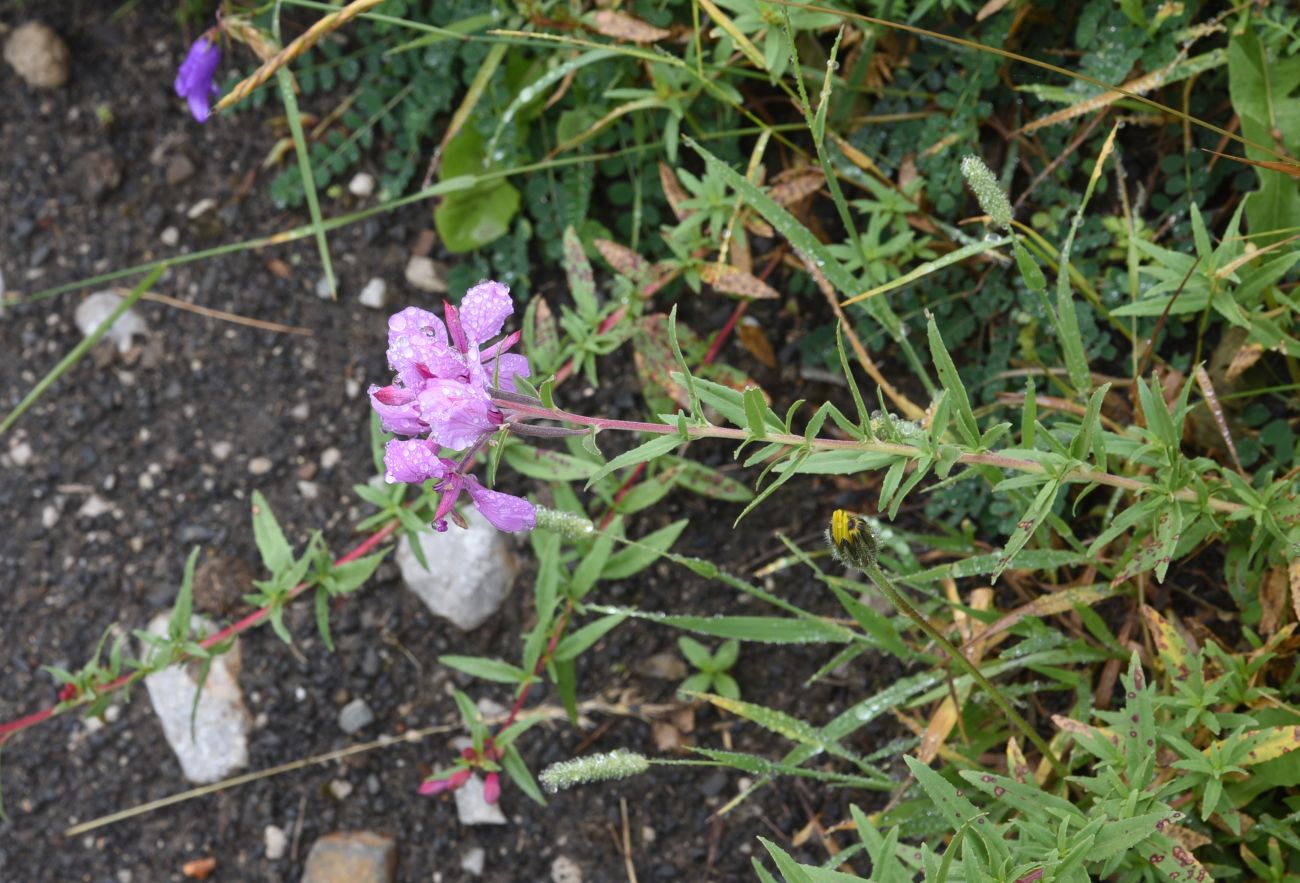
x,y
442,394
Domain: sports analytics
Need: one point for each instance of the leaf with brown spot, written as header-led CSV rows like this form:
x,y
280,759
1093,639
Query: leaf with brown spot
x,y
730,280
753,338
1017,766
622,26
622,259
1262,745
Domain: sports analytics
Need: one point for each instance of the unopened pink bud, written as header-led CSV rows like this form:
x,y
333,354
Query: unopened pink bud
x,y
492,788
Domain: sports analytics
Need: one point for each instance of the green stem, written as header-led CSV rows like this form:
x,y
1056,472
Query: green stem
x,y
882,582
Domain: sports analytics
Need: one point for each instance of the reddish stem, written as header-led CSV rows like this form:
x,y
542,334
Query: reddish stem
x,y
551,644
243,625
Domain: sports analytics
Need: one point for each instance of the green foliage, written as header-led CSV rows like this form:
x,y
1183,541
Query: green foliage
x,y
711,669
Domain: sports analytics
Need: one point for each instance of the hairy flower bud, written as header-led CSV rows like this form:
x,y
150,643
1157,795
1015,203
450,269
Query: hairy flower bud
x,y
566,524
987,190
618,764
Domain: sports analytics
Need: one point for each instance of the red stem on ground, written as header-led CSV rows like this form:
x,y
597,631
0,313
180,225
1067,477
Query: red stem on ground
x,y
237,628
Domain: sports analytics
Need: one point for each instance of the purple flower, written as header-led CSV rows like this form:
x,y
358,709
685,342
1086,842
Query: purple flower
x,y
194,79
416,460
443,375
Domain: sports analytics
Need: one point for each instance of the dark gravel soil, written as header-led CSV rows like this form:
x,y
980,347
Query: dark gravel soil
x,y
164,436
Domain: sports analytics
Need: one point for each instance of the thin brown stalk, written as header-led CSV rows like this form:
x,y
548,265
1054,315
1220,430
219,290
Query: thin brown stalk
x,y
309,38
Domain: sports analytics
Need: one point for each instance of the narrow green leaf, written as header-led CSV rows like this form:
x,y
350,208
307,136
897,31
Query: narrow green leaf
x,y
547,465
755,409
950,380
660,444
641,555
761,629
575,644
488,669
277,554
178,626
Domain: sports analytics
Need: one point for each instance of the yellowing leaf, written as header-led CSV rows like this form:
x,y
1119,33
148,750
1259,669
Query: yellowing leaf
x,y
1170,645
622,26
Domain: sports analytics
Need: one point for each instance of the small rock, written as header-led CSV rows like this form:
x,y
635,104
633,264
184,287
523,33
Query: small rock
x,y
276,842
218,743
300,411
98,173
370,663
351,857
324,288
179,170
341,789
667,666
427,274
170,237
260,465
49,516
220,581
471,591
95,309
201,208
21,454
330,457
473,809
473,861
361,185
374,294
38,55
355,715
308,490
565,870
221,449
94,507
372,785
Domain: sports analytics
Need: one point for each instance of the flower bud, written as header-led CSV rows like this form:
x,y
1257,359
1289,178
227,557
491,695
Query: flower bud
x,y
987,190
566,524
851,540
618,764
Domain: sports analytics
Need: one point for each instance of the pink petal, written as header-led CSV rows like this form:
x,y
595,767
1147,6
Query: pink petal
x,y
418,348
402,419
457,413
412,461
504,511
506,368
484,310
492,788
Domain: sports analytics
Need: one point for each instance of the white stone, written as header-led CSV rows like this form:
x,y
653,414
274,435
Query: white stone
x,y
201,207
341,789
170,237
375,294
565,870
330,457
38,55
324,290
21,454
472,808
308,490
300,411
470,571
355,715
94,507
427,274
218,743
276,842
260,465
473,861
94,310
221,449
361,185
